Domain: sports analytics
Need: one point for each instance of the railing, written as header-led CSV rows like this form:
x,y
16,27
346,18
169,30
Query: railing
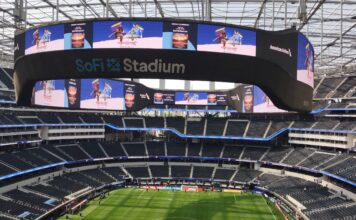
x,y
216,159
173,130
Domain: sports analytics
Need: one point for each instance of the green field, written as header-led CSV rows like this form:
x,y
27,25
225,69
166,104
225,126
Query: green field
x,y
137,204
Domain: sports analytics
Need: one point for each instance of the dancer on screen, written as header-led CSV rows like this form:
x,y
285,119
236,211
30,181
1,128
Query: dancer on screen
x,y
47,86
221,36
308,60
136,32
46,37
95,93
117,32
236,39
107,91
36,38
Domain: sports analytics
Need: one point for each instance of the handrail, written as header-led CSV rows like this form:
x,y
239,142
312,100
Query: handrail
x,y
125,158
179,134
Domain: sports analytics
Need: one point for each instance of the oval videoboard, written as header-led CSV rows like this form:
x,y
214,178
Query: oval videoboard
x,y
280,63
119,95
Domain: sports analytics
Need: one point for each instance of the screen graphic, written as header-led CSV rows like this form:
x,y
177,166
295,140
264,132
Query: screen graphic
x,y
164,97
248,97
127,34
191,98
130,96
226,40
305,70
73,89
50,93
180,36
102,94
109,94
217,98
78,36
44,39
262,103
166,49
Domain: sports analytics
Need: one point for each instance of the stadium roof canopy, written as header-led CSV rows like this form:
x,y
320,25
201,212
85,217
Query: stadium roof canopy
x,y
329,24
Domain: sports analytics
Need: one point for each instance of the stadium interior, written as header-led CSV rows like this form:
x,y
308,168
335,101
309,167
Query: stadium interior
x,y
53,159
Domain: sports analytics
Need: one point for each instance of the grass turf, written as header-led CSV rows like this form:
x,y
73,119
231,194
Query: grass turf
x,y
137,204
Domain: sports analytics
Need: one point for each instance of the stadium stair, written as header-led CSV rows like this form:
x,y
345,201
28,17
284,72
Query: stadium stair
x,y
246,129
124,149
101,147
109,175
267,129
26,190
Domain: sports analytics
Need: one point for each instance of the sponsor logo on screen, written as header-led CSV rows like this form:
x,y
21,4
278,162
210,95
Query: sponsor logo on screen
x,y
128,65
235,97
282,50
157,66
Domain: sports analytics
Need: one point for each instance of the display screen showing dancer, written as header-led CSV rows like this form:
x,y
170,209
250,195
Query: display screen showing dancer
x,y
305,72
50,93
44,39
226,40
262,103
102,94
127,34
191,98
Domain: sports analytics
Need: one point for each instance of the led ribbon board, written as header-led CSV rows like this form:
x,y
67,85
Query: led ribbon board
x,y
111,94
280,63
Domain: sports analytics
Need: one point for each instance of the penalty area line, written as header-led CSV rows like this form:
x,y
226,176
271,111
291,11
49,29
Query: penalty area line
x,y
271,212
235,197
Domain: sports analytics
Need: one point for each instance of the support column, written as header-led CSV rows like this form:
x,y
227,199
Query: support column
x,y
285,13
273,15
207,10
162,84
322,33
341,29
57,10
107,8
186,85
130,8
211,85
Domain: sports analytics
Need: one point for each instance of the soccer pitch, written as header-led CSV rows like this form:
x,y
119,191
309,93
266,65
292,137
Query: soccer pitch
x,y
139,204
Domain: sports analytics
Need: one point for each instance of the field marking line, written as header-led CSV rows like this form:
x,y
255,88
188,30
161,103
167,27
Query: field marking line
x,y
235,197
271,212
188,218
138,197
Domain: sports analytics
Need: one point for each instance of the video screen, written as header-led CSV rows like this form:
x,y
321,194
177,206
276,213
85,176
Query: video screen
x,y
73,91
102,94
217,98
110,94
50,93
262,103
191,98
43,39
226,40
164,98
305,70
131,96
181,36
248,97
127,34
78,36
